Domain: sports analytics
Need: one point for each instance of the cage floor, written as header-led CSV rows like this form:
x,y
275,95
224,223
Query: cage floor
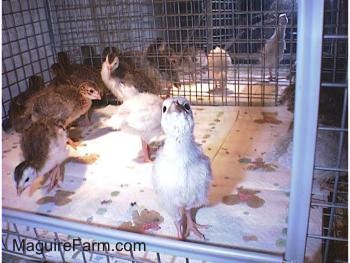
x,y
249,195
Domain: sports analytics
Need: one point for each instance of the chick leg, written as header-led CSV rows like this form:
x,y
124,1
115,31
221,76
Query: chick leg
x,y
179,228
86,121
179,224
72,143
192,226
270,74
146,151
55,176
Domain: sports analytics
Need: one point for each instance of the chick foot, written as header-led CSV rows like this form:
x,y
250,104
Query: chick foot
x,y
191,226
73,144
180,229
55,176
146,152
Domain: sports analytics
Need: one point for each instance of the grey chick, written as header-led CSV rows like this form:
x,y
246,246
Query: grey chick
x,y
160,56
44,149
18,119
181,172
193,61
218,65
272,52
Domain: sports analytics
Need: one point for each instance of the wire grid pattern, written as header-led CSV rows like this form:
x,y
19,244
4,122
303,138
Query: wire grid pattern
x,y
333,123
40,29
26,47
54,239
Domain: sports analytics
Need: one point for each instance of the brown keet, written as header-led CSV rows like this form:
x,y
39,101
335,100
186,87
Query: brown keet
x,y
64,104
78,73
272,52
161,57
123,80
193,62
19,120
44,149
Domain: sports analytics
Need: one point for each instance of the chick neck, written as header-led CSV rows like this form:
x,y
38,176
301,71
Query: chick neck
x,y
111,83
179,142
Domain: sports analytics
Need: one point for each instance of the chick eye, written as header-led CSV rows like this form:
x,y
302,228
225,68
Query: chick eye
x,y
187,106
26,180
164,109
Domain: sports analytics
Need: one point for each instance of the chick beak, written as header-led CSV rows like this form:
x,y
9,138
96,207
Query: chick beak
x,y
175,106
20,190
109,66
179,107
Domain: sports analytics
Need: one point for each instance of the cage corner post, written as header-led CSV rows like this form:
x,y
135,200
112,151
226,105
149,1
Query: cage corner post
x,y
309,51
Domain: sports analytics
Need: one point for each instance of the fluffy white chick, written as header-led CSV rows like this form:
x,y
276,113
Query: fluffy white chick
x,y
140,115
219,62
113,83
181,172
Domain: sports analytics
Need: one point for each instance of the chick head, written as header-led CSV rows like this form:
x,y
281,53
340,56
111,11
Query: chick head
x,y
24,176
177,117
88,90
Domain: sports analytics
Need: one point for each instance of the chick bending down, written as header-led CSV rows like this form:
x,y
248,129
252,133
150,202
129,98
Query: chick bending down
x,y
44,149
181,172
140,115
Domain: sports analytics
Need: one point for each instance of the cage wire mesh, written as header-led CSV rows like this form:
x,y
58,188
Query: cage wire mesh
x,y
53,250
34,31
331,167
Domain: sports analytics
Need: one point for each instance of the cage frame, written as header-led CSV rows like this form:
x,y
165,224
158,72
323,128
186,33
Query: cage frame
x,y
310,17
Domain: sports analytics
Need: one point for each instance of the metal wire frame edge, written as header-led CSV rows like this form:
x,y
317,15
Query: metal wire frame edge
x,y
156,244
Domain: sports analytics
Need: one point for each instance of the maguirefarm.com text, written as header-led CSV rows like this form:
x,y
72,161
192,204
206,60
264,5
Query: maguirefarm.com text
x,y
40,247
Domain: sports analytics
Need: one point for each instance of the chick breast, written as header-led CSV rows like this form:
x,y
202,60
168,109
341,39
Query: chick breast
x,y
58,151
181,178
45,144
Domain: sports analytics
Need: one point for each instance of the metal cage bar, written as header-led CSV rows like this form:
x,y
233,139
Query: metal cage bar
x,y
309,48
163,245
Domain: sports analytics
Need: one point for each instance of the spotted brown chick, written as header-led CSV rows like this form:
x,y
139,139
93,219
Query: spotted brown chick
x,y
64,104
78,73
44,149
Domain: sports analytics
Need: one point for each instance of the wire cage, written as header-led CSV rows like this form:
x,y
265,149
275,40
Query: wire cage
x,y
34,32
245,32
333,127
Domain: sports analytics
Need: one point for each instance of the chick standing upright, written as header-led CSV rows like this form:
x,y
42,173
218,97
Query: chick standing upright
x,y
181,171
218,65
272,52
